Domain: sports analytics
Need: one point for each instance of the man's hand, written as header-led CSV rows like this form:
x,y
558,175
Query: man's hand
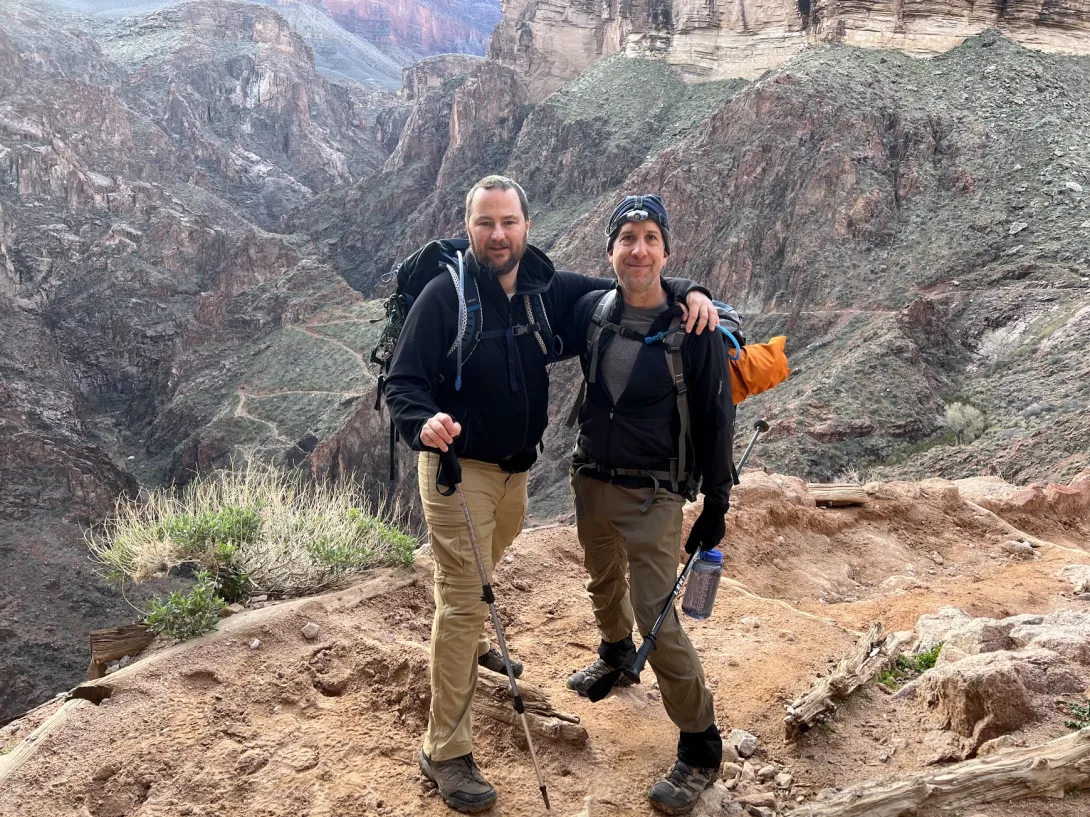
x,y
439,431
698,310
708,529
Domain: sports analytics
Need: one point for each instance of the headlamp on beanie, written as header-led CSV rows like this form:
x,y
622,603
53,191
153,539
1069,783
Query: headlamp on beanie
x,y
638,208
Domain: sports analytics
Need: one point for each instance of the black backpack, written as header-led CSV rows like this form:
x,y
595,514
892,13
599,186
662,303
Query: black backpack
x,y
446,257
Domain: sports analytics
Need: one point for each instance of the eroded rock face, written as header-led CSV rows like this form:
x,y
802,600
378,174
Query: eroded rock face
x,y
983,696
551,41
420,28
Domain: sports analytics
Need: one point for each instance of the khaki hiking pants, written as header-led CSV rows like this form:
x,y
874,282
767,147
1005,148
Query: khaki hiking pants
x,y
617,538
497,503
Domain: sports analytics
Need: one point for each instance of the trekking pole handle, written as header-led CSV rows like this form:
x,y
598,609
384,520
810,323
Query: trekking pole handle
x,y
759,428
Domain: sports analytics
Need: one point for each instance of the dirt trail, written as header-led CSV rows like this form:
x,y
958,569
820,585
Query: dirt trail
x,y
330,727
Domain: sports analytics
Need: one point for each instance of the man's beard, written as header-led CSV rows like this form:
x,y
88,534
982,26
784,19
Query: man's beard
x,y
496,271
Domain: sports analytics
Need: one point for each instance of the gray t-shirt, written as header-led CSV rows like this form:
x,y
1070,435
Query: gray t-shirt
x,y
620,355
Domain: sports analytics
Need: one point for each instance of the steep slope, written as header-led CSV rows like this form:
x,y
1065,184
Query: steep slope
x,y
137,171
920,231
918,228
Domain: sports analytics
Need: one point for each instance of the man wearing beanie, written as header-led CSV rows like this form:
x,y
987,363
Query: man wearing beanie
x,y
655,428
494,421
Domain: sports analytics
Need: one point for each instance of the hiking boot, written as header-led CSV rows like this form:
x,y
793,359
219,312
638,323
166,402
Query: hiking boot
x,y
493,660
583,680
460,782
678,792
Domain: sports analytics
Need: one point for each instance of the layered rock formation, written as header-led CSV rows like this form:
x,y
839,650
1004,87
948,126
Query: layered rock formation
x,y
551,41
434,27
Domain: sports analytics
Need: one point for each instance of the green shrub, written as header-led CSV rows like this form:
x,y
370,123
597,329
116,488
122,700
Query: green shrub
x,y
257,529
967,422
906,668
1080,717
186,615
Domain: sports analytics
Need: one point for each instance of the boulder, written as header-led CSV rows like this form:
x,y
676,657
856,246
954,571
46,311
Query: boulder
x,y
978,635
990,694
1066,633
1079,576
932,629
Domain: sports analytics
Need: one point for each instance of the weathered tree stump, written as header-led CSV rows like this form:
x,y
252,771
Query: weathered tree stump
x,y
872,654
114,643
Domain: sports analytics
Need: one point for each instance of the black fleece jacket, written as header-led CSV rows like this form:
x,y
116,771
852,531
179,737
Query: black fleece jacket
x,y
503,403
641,429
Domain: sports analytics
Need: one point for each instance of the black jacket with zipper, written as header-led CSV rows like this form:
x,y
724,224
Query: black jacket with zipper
x,y
503,403
641,430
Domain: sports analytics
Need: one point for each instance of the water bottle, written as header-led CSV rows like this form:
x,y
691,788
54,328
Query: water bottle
x,y
703,585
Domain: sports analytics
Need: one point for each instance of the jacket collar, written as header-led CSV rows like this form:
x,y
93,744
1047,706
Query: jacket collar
x,y
535,275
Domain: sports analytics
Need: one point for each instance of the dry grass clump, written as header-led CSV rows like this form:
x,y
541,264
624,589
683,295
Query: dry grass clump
x,y
257,529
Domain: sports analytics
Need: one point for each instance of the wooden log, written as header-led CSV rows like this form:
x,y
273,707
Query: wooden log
x,y
836,495
1047,770
871,654
35,740
113,643
550,728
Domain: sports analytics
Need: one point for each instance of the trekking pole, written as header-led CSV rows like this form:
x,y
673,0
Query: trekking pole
x,y
600,688
453,471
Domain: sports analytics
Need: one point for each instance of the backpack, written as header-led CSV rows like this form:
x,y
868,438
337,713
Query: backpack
x,y
446,257
682,477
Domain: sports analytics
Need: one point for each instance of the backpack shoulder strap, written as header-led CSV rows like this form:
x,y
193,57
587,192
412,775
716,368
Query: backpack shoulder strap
x,y
598,322
676,366
470,316
539,324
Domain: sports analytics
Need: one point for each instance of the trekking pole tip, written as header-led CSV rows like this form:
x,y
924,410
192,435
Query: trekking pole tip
x,y
545,797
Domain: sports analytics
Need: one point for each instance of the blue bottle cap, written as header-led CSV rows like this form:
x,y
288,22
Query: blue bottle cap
x,y
713,556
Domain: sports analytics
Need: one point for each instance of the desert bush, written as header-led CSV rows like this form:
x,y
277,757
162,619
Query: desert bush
x,y
906,668
1080,716
254,529
186,615
967,422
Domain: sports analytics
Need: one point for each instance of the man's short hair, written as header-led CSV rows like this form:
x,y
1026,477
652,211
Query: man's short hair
x,y
498,183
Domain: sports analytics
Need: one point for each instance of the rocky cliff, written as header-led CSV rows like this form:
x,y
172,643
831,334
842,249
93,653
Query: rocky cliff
x,y
918,228
432,27
551,41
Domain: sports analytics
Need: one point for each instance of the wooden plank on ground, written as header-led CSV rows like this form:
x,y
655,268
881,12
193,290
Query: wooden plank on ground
x,y
1046,770
836,495
113,643
36,739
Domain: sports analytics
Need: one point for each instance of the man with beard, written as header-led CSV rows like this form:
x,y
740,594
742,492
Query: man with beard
x,y
493,419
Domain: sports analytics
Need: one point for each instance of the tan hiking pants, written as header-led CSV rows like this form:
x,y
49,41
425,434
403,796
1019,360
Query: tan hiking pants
x,y
616,538
497,503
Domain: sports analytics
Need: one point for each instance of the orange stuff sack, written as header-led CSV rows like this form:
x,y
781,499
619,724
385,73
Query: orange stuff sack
x,y
759,367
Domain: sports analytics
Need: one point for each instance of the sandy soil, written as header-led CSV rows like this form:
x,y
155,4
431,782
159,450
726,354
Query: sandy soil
x,y
330,727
